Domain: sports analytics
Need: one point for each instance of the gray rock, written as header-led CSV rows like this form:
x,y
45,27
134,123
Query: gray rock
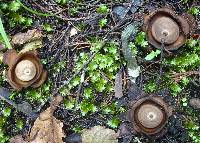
x,y
195,103
118,85
135,5
119,11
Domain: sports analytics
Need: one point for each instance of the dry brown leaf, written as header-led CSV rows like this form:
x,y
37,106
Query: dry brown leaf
x,y
31,46
22,38
99,134
46,129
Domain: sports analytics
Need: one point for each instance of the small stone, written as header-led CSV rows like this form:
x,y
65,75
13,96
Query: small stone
x,y
119,11
195,103
73,32
17,139
99,134
118,85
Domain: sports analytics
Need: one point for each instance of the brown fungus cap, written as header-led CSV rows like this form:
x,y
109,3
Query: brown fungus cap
x,y
149,115
24,69
165,24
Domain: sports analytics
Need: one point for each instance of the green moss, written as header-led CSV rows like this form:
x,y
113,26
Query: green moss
x,y
3,137
113,123
150,86
140,40
193,131
19,124
102,9
99,76
40,94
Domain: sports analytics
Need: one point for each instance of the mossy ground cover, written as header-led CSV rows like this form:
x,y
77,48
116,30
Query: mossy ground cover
x,y
82,52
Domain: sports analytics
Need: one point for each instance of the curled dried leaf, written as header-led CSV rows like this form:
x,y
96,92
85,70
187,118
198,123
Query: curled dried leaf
x,y
46,128
22,38
31,46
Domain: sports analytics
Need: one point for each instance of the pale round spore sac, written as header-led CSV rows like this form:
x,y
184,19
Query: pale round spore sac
x,y
165,28
150,116
25,70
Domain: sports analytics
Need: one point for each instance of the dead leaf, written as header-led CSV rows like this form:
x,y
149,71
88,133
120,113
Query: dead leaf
x,y
99,134
22,38
31,46
118,85
46,128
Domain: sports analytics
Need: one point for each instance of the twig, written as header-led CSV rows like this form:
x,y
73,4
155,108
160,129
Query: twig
x,y
68,81
33,11
161,60
76,73
178,76
80,88
50,14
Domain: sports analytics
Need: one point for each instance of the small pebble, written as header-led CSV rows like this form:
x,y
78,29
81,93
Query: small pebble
x,y
195,103
73,32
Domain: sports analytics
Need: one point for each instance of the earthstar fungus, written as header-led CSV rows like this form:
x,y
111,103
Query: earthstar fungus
x,y
164,25
24,70
149,115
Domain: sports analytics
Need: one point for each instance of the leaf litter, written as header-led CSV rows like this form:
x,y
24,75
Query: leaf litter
x,y
46,128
